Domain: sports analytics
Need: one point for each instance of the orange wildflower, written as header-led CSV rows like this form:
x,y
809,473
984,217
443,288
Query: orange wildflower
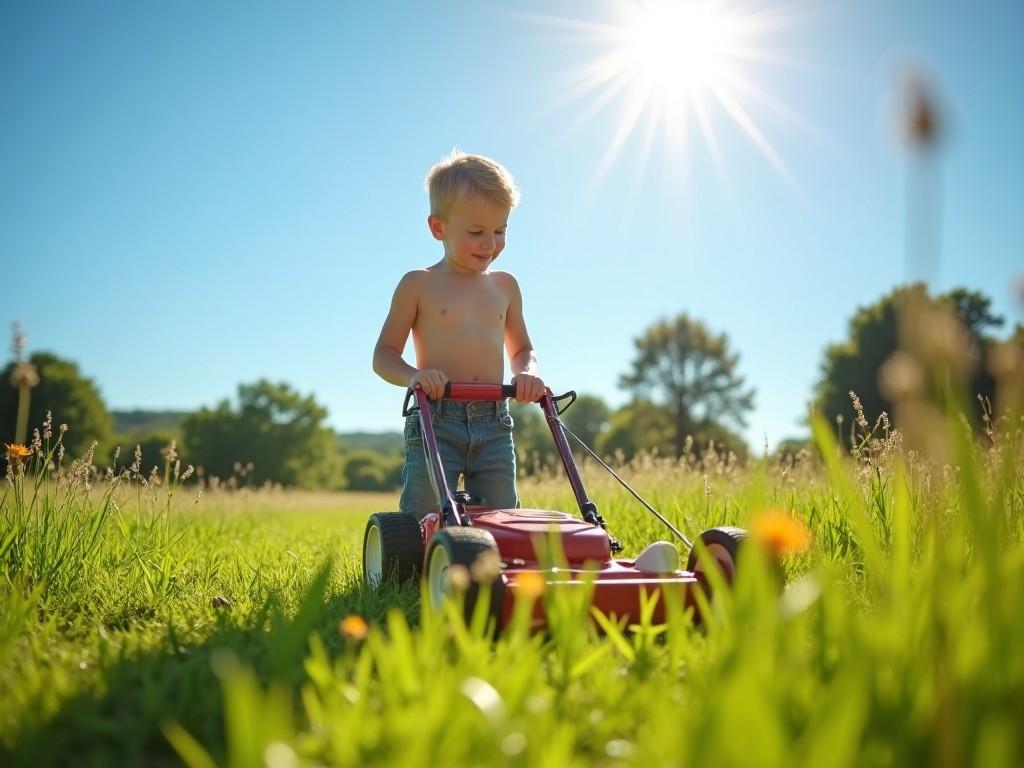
x,y
16,452
353,627
781,533
530,585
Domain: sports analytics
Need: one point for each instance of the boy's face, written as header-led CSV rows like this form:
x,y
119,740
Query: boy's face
x,y
473,233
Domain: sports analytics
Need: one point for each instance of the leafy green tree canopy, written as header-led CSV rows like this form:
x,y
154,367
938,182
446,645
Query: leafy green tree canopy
x,y
689,370
278,430
873,336
646,426
640,426
62,390
588,418
367,470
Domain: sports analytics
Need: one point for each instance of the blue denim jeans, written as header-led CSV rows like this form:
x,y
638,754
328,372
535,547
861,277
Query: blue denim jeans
x,y
475,441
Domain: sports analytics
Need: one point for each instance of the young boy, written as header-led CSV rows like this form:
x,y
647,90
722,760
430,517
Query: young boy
x,y
462,316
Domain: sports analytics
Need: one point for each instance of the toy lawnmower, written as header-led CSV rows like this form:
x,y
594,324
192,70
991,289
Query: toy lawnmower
x,y
462,532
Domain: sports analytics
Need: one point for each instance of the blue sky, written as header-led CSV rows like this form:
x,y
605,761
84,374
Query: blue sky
x,y
194,195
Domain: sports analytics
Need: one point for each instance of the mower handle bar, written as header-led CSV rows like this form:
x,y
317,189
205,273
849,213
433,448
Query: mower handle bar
x,y
452,512
468,391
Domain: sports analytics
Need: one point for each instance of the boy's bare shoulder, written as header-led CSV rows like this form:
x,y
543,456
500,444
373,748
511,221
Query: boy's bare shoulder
x,y
414,280
415,274
506,280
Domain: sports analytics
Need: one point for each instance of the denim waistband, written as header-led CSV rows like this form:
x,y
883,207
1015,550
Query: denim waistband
x,y
468,409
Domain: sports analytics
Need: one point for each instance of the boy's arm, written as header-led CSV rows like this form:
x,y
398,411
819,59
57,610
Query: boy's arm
x,y
387,355
522,359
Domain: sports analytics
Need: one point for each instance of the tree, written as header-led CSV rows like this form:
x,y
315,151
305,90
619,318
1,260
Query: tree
x,y
587,417
367,470
873,336
639,426
689,370
62,390
646,426
275,428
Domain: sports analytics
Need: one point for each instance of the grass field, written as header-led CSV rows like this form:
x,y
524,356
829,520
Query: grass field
x,y
141,625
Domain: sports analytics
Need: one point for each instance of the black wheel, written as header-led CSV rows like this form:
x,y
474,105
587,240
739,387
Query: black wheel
x,y
724,545
475,551
392,548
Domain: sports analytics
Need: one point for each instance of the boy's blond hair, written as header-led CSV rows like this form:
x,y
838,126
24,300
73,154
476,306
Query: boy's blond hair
x,y
462,176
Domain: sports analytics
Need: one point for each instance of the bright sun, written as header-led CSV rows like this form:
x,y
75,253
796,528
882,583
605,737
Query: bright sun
x,y
677,49
674,63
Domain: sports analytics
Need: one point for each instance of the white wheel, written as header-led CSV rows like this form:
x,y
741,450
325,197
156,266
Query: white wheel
x,y
372,557
468,551
437,575
392,548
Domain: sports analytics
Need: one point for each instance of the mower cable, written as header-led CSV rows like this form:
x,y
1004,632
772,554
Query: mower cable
x,y
625,485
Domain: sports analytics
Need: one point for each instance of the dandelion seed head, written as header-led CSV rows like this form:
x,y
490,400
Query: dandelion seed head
x,y
24,376
457,577
486,567
901,377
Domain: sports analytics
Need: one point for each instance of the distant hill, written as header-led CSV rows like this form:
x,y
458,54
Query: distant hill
x,y
381,442
139,422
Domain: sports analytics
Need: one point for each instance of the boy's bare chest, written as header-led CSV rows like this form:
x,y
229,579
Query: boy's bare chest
x,y
482,304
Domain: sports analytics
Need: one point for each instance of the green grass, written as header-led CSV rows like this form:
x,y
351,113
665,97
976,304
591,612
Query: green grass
x,y
140,627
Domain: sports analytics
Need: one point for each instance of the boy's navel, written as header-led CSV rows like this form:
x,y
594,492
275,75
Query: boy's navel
x,y
444,310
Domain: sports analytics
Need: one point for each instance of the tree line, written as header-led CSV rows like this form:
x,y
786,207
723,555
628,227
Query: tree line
x,y
686,394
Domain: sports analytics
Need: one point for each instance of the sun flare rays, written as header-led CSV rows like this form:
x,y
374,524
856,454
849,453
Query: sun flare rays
x,y
674,67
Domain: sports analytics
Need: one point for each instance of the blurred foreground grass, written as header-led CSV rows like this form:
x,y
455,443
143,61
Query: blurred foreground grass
x,y
140,627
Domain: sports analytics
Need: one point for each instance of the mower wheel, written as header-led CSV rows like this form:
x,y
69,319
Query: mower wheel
x,y
392,548
476,552
723,544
